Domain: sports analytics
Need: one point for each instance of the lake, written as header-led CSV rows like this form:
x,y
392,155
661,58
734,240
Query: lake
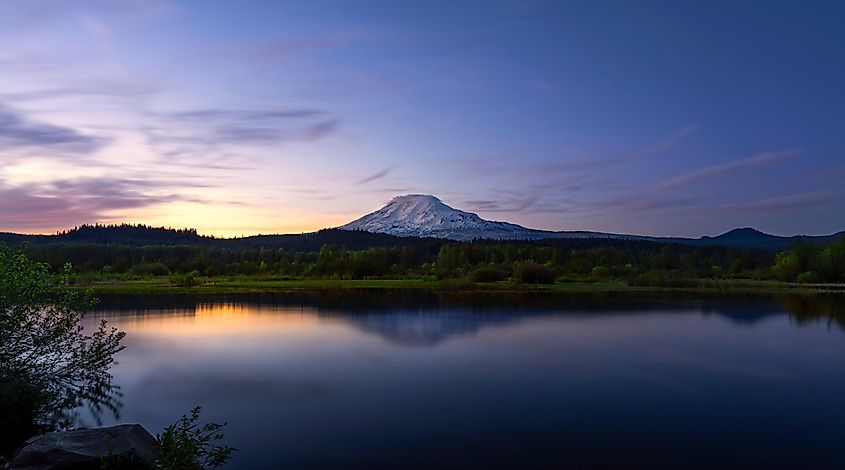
x,y
416,379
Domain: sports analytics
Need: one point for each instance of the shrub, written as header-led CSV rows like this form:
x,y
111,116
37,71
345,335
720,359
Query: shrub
x,y
807,277
787,266
530,272
489,274
600,272
153,269
187,444
185,279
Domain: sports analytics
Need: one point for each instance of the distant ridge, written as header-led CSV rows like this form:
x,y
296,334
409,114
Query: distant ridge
x,y
748,237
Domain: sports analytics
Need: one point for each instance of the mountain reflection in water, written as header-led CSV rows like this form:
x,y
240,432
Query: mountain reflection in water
x,y
426,318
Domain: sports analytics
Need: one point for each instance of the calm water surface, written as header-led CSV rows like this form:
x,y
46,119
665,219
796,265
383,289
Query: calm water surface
x,y
421,380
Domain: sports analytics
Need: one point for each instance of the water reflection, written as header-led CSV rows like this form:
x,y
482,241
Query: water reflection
x,y
428,318
444,380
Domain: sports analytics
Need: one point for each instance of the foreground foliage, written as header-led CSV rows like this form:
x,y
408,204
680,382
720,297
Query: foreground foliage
x,y
48,365
187,444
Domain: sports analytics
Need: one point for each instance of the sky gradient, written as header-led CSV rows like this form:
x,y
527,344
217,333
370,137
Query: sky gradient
x,y
656,118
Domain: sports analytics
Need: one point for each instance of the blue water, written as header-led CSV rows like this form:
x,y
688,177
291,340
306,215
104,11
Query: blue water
x,y
399,381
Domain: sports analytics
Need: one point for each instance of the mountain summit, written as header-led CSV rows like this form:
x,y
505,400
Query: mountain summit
x,y
423,215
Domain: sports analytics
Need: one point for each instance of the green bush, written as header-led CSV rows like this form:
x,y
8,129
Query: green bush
x,y
156,268
600,272
185,279
489,274
529,272
187,444
787,266
807,277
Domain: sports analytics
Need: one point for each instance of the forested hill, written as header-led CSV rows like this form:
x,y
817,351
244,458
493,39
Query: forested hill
x,y
754,239
142,235
124,234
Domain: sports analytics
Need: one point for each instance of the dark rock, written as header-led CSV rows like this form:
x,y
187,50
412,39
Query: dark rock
x,y
83,449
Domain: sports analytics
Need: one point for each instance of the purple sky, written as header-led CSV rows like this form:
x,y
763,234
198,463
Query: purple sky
x,y
656,118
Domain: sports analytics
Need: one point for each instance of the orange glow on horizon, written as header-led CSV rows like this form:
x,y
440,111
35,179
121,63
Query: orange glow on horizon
x,y
220,222
208,320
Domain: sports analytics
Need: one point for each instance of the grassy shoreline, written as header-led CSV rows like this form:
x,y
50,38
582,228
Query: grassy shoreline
x,y
158,286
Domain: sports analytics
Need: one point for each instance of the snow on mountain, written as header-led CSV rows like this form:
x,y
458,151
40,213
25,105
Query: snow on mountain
x,y
421,215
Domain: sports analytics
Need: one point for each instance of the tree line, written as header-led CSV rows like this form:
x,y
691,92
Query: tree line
x,y
638,262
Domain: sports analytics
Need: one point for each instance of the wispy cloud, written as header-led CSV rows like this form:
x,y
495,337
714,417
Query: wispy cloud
x,y
506,203
319,130
655,200
280,51
378,175
743,164
223,126
549,187
25,16
17,131
665,143
243,115
542,85
64,203
508,164
99,88
807,200
658,147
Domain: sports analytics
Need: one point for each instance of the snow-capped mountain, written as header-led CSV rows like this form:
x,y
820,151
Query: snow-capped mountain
x,y
421,215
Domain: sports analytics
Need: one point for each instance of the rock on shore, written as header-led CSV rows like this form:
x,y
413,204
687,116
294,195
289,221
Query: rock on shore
x,y
83,449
